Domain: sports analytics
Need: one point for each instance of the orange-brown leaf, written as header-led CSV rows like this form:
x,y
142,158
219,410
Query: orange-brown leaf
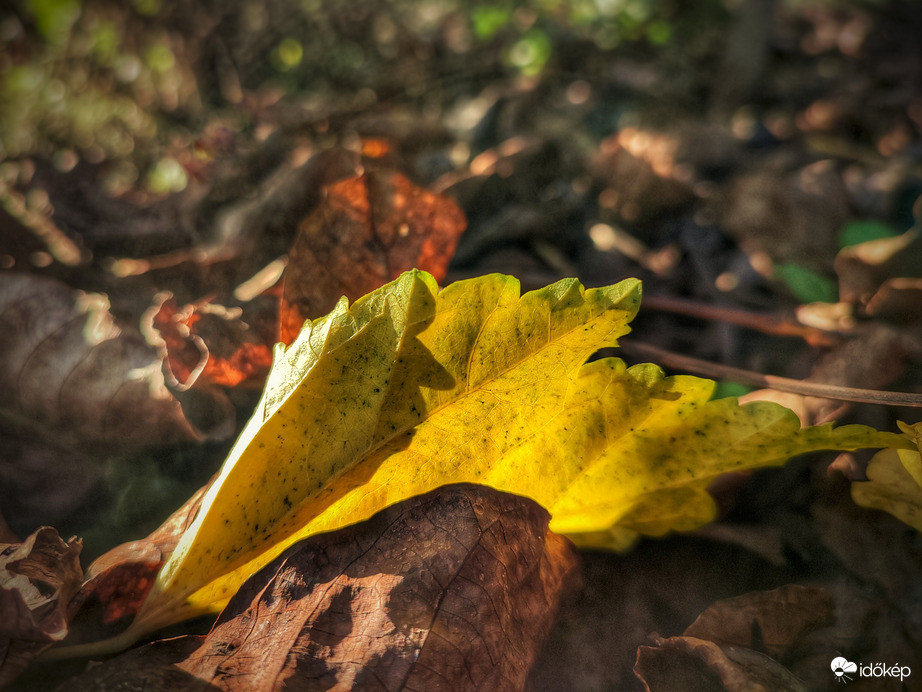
x,y
211,345
367,231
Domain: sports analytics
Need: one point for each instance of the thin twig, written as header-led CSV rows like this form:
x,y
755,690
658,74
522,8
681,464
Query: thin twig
x,y
765,323
784,384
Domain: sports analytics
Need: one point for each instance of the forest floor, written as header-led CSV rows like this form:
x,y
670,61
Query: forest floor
x,y
760,181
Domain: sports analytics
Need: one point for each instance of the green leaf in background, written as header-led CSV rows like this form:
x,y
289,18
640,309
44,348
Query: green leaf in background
x,y
488,19
862,230
725,389
54,18
807,286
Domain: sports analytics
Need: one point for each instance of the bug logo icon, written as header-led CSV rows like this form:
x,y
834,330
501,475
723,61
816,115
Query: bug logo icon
x,y
841,669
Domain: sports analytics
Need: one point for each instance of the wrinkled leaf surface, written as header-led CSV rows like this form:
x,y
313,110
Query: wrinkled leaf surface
x,y
452,590
769,622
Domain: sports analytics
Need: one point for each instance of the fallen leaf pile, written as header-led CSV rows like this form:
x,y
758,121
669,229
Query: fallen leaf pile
x,y
78,378
409,389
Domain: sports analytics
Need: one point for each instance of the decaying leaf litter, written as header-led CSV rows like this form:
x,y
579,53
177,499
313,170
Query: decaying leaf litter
x,y
681,235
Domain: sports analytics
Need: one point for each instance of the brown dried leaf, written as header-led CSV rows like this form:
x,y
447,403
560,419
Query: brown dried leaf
x,y
733,644
455,589
71,371
884,275
38,577
865,267
874,357
366,232
875,587
765,621
687,664
897,300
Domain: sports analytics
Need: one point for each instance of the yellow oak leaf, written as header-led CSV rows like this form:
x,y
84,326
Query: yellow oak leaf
x,y
895,481
413,387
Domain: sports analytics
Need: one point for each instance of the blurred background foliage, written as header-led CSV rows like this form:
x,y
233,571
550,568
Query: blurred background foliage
x,y
154,89
133,83
754,119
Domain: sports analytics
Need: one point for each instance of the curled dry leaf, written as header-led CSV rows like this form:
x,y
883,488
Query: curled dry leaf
x,y
69,369
766,621
736,644
453,590
897,300
38,577
209,344
366,232
687,664
866,268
